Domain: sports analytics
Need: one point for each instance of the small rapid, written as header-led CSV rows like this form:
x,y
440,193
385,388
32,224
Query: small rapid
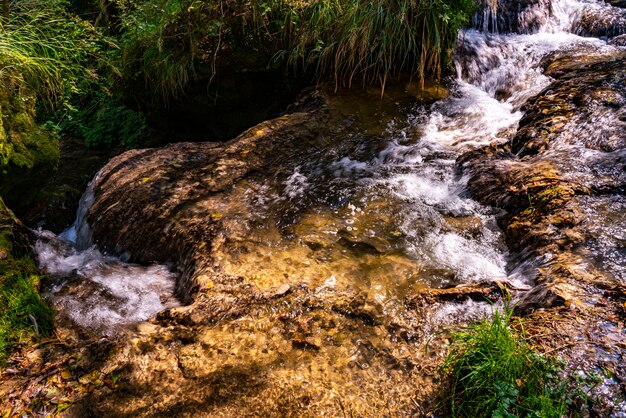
x,y
431,223
374,202
95,292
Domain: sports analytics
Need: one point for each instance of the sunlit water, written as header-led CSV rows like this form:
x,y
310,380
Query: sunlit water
x,y
385,210
375,204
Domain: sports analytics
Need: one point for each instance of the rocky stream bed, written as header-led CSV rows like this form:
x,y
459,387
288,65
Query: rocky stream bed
x,y
314,265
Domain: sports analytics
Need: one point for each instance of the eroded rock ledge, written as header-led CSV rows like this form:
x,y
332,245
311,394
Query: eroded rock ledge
x,y
248,347
153,203
561,180
244,345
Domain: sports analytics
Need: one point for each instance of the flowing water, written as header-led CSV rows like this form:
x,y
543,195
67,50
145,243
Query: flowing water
x,y
95,292
375,203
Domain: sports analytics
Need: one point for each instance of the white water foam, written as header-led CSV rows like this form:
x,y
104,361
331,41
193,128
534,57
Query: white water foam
x,y
496,75
97,292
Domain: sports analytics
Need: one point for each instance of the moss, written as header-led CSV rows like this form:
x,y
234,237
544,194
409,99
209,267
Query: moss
x,y
23,313
29,154
548,199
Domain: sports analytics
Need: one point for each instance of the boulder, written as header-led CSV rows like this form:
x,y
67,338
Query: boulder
x,y
512,16
600,22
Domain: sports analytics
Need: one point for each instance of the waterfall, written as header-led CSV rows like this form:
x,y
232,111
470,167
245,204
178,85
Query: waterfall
x,y
79,233
95,292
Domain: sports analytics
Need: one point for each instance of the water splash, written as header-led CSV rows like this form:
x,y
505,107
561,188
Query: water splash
x,y
95,292
79,233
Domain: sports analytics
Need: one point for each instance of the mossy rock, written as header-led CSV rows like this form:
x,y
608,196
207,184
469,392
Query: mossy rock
x,y
15,239
29,154
23,313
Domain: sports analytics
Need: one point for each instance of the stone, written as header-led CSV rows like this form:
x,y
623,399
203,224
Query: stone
x,y
558,166
606,22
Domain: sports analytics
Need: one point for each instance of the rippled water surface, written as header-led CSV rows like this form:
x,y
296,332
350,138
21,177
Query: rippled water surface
x,y
375,202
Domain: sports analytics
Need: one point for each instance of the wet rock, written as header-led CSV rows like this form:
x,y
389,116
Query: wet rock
x,y
560,179
276,352
618,41
280,291
490,291
293,296
600,22
260,207
170,204
512,16
569,109
465,225
563,62
566,154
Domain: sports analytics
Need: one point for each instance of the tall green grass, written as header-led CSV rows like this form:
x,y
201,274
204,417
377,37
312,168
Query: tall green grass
x,y
372,40
48,52
496,374
170,42
158,44
69,66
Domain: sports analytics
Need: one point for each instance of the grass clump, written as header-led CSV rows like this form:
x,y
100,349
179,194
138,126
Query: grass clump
x,y
23,314
495,373
371,40
169,43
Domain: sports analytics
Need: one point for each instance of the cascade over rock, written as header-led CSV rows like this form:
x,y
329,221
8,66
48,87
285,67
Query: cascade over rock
x,y
513,16
325,254
561,179
294,299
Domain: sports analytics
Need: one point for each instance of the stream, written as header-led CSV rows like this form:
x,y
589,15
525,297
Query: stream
x,y
323,257
95,292
375,202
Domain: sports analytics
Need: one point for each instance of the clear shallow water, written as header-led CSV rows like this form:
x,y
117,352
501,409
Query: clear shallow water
x,y
374,203
382,189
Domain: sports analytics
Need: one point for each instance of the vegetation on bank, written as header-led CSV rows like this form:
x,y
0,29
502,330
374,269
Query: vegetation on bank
x,y
83,73
67,68
23,314
168,43
495,373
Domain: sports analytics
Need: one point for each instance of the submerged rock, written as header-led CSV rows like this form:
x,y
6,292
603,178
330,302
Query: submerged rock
x,y
297,299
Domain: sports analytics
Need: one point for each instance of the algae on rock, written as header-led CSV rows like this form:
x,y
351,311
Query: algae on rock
x,y
28,153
